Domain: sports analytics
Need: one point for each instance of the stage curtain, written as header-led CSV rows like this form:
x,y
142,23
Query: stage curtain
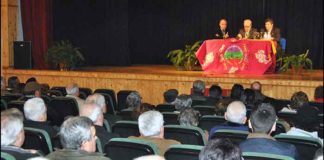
x,y
37,28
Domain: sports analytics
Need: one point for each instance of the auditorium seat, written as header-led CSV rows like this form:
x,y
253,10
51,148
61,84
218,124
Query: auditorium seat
x,y
107,126
86,91
282,42
109,103
185,134
205,110
60,88
110,92
3,105
306,146
61,107
16,104
126,128
127,148
278,104
99,146
7,156
288,117
125,115
207,122
234,135
279,128
264,156
54,93
183,152
37,139
11,97
198,102
317,105
170,118
82,95
165,108
121,99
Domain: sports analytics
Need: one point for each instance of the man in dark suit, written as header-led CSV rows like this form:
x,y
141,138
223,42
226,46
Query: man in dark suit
x,y
222,32
262,123
248,32
270,32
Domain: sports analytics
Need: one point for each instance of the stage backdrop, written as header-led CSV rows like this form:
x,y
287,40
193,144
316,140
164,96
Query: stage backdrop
x,y
126,32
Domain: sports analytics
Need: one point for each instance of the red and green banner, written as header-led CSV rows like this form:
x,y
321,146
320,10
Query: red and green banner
x,y
237,56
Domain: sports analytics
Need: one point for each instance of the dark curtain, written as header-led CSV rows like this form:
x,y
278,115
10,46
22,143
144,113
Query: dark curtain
x,y
126,32
37,27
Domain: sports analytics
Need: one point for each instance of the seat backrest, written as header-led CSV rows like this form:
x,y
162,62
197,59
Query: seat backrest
x,y
121,99
60,108
280,128
3,105
16,104
59,88
278,104
183,152
127,148
11,97
55,93
86,91
198,102
82,95
7,156
165,107
126,128
37,139
205,110
306,146
110,92
107,126
317,105
235,136
98,146
282,42
185,134
207,122
170,118
126,115
287,116
264,156
109,103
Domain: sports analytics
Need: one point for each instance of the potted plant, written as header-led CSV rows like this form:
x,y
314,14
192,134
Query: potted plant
x,y
64,55
185,58
296,62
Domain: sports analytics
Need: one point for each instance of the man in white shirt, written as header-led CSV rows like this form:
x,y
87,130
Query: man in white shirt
x,y
72,91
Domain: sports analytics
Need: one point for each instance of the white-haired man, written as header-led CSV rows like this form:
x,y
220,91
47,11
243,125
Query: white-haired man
x,y
72,91
100,100
150,124
13,136
94,112
235,117
36,116
78,138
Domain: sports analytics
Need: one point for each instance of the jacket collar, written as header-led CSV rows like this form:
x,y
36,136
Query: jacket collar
x,y
260,135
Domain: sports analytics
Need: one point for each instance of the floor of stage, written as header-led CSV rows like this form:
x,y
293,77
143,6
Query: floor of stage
x,y
313,75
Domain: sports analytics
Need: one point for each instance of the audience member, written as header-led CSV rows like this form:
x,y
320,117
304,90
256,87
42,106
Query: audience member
x,y
170,96
220,149
32,89
248,98
257,88
190,117
198,91
36,116
237,92
215,94
78,138
133,101
72,91
262,123
13,135
297,100
141,109
151,128
13,84
94,112
235,117
182,101
318,95
305,123
221,106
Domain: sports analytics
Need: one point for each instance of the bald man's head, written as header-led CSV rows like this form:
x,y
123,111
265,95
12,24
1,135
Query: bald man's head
x,y
247,24
94,112
236,112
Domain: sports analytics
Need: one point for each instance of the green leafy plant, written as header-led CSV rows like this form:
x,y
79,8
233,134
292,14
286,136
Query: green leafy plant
x,y
185,57
296,62
64,55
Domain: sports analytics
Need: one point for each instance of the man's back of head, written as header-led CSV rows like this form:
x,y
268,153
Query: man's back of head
x,y
99,99
94,112
12,132
219,149
133,100
35,110
72,89
215,91
198,87
183,101
262,119
236,112
150,124
170,95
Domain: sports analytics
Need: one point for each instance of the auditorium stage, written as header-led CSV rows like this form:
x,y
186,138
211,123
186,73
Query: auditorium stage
x,y
152,80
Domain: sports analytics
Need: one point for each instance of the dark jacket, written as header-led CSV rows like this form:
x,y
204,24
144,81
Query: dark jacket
x,y
228,125
263,143
104,136
275,33
19,153
52,132
220,35
69,154
253,34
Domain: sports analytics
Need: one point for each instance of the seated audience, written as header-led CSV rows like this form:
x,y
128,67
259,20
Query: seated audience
x,y
100,100
305,122
141,109
36,116
318,154
133,101
190,117
220,149
248,98
13,135
257,88
182,101
151,128
237,92
170,96
262,123
13,85
318,95
32,89
198,91
31,79
215,94
72,91
221,106
94,112
297,100
235,117
78,138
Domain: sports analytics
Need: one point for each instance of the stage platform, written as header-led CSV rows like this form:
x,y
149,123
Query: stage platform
x,y
152,80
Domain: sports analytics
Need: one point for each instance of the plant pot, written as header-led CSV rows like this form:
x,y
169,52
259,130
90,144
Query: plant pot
x,y
296,69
